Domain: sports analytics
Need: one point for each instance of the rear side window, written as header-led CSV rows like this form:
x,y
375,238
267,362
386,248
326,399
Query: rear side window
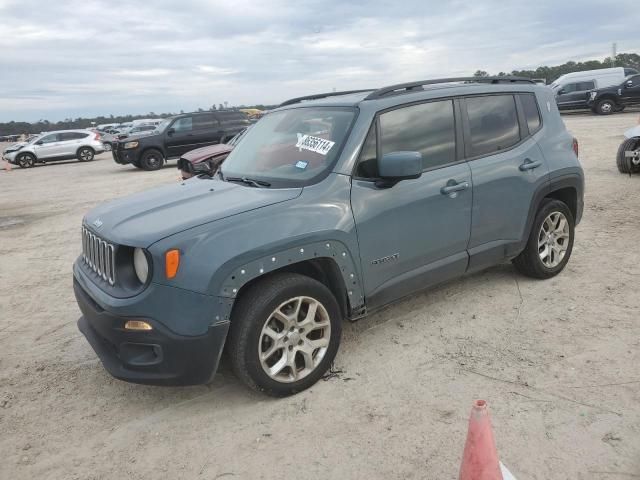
x,y
583,86
232,118
531,112
493,123
203,122
428,128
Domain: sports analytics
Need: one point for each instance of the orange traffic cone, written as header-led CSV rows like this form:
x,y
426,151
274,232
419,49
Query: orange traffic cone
x,y
480,457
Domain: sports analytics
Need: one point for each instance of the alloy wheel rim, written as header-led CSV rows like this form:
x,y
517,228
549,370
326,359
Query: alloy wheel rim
x,y
294,339
85,155
553,239
606,107
25,161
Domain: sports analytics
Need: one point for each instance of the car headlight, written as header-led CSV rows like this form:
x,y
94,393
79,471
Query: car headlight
x,y
592,95
130,145
141,265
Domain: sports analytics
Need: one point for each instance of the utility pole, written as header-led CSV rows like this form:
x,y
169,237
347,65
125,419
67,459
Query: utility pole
x,y
613,54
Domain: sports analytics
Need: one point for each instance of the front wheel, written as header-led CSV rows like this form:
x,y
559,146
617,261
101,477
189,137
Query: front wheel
x,y
605,107
152,160
285,332
86,154
26,160
550,242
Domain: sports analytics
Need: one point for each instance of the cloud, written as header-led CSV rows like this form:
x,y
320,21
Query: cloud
x,y
90,57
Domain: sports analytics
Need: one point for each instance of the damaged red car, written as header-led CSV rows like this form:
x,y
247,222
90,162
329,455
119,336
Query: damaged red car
x,y
207,160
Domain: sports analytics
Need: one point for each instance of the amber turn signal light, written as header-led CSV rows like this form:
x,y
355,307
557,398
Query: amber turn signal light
x,y
137,325
171,263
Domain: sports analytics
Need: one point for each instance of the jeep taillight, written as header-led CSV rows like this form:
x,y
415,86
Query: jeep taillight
x,y
575,146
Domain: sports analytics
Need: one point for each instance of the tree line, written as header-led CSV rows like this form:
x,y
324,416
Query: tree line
x,y
629,60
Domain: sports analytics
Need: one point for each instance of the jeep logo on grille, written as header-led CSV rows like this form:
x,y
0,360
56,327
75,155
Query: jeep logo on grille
x,y
97,223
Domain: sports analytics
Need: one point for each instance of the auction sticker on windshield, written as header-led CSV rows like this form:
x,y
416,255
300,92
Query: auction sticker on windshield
x,y
314,144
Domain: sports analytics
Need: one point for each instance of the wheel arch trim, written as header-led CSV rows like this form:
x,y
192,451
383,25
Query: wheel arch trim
x,y
332,250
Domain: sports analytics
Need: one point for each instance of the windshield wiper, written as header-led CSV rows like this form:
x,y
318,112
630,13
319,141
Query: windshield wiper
x,y
249,181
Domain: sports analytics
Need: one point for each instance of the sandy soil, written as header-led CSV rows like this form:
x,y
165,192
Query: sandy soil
x,y
557,360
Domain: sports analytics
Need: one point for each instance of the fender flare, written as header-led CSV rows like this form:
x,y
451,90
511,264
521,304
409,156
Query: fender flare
x,y
572,180
243,273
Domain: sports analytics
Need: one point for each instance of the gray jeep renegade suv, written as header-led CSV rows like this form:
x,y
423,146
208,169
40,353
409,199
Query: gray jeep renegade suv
x,y
330,207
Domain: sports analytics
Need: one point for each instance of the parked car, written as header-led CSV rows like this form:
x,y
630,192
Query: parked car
x,y
206,160
628,157
52,146
329,208
176,136
605,101
572,89
136,130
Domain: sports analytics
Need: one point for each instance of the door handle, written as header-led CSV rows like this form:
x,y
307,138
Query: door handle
x,y
529,165
452,187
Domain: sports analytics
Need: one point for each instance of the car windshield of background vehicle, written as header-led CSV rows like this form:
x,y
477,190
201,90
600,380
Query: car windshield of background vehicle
x,y
163,124
291,148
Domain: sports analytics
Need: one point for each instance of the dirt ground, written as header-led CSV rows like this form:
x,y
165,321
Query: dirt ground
x,y
557,360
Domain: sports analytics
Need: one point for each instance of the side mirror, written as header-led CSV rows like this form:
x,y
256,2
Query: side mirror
x,y
396,166
561,92
171,131
39,142
628,84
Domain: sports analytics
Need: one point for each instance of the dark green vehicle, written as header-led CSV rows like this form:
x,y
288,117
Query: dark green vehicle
x,y
330,207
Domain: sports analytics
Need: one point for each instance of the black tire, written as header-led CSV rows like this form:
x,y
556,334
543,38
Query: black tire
x,y
624,164
151,159
529,262
606,106
26,160
107,146
254,308
85,154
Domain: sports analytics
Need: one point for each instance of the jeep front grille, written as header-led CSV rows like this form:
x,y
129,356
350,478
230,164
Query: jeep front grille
x,y
99,255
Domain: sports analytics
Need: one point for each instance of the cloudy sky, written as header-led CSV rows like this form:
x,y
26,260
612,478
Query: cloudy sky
x,y
67,58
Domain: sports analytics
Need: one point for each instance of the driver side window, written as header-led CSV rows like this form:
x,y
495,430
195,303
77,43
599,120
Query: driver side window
x,y
184,124
49,138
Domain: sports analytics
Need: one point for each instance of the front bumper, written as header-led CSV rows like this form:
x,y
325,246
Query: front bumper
x,y
156,357
10,156
122,156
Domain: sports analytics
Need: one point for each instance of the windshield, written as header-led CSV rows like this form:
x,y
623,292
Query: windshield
x,y
290,148
163,124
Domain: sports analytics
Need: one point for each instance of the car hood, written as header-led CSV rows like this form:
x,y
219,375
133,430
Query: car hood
x,y
200,154
144,218
632,132
15,146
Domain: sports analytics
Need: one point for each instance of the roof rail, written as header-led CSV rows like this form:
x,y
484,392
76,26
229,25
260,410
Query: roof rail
x,y
411,86
321,95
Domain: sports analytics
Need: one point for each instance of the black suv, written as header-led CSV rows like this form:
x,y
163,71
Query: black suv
x,y
614,98
178,135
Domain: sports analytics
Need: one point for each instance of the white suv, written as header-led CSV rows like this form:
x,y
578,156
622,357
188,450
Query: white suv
x,y
50,146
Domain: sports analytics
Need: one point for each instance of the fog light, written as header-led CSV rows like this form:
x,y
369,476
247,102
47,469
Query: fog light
x,y
137,325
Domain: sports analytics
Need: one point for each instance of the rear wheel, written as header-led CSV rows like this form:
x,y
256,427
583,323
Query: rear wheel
x,y
605,106
86,154
152,160
26,160
550,242
625,164
285,332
